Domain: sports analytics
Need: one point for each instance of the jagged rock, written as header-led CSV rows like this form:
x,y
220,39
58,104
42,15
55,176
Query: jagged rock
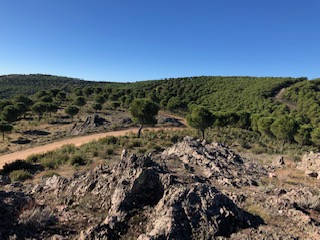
x,y
278,162
11,205
215,161
90,124
179,211
194,190
311,173
272,175
171,121
310,162
4,180
123,154
126,121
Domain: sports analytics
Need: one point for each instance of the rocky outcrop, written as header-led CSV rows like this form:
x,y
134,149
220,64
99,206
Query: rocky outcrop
x,y
193,190
11,206
171,121
167,208
90,124
310,163
215,161
145,200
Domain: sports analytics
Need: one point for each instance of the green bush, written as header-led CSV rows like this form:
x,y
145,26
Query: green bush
x,y
34,158
20,165
48,163
69,148
109,140
134,143
77,160
20,175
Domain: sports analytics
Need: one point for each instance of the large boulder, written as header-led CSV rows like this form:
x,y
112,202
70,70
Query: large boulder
x,y
91,123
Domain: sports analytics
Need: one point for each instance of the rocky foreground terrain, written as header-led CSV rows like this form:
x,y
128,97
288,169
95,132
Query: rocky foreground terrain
x,y
192,190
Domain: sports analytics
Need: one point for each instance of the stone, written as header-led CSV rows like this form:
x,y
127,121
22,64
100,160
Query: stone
x,y
272,175
278,162
311,173
310,161
4,180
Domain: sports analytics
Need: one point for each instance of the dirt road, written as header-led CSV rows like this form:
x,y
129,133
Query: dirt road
x,y
77,141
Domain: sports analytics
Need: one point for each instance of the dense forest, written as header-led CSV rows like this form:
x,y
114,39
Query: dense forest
x,y
11,85
281,109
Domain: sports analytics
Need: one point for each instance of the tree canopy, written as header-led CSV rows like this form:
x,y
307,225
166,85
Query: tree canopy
x,y
200,118
144,111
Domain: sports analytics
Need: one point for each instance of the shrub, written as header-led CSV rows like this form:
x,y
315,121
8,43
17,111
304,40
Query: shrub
x,y
106,152
20,165
134,143
34,158
48,163
19,175
69,148
109,140
77,160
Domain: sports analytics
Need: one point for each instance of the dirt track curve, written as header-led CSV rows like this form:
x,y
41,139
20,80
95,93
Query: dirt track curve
x,y
77,141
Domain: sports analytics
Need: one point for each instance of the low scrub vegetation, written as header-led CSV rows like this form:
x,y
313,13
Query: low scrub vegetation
x,y
19,175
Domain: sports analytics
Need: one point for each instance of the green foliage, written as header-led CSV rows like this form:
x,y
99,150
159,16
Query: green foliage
x,y
303,135
20,175
10,113
39,108
61,96
77,160
88,91
80,101
175,103
200,118
100,99
284,128
54,92
24,99
46,99
71,110
315,136
4,127
22,108
144,111
264,124
17,165
96,107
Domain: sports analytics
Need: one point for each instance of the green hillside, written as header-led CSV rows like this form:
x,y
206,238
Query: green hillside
x,y
11,85
284,110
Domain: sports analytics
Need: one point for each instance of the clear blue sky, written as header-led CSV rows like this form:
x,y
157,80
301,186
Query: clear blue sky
x,y
131,40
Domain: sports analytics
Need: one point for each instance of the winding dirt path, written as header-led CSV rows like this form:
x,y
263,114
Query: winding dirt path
x,y
77,141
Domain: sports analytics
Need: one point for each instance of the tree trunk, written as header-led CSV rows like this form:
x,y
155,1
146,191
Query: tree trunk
x,y
139,131
2,136
202,133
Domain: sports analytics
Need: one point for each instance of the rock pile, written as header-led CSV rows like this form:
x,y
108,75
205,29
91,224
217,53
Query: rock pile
x,y
310,163
89,125
144,199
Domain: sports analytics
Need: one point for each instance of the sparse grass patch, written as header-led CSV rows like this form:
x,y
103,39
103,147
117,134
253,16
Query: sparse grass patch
x,y
50,174
19,175
257,210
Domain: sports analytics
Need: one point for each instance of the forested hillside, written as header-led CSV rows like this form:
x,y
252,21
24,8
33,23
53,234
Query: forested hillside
x,y
11,85
279,110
